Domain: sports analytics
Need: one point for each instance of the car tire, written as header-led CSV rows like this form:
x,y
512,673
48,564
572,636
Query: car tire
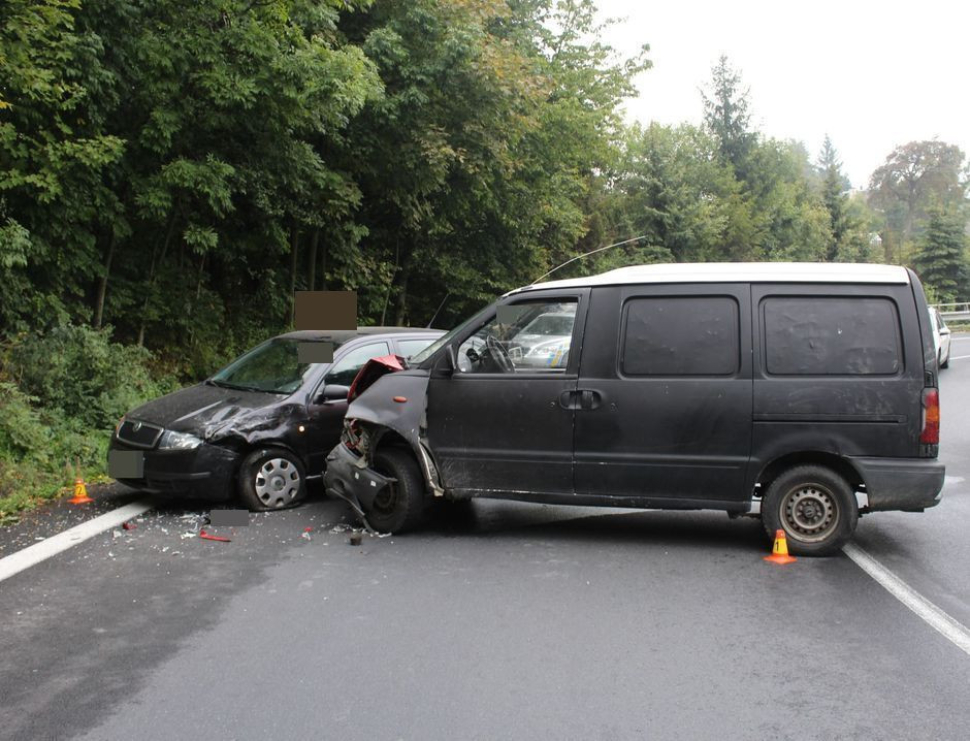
x,y
400,504
815,507
270,479
945,363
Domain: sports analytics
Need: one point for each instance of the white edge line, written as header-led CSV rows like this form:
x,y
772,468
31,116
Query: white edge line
x,y
958,357
937,619
34,554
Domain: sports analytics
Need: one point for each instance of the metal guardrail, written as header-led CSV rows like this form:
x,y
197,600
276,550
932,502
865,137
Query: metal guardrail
x,y
955,312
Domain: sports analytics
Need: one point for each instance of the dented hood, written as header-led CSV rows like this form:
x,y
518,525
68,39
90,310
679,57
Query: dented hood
x,y
374,369
197,408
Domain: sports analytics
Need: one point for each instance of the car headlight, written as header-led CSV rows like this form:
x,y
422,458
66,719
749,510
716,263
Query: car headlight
x,y
173,440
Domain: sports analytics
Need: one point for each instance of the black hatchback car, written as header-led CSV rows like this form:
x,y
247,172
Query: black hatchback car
x,y
260,427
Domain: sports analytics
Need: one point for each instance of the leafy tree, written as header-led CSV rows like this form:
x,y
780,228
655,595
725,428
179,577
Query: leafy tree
x,y
479,162
915,178
55,202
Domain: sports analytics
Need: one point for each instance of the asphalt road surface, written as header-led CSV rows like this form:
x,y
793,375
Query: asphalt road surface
x,y
503,621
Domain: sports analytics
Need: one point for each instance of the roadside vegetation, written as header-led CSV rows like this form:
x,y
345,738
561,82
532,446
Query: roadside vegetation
x,y
171,172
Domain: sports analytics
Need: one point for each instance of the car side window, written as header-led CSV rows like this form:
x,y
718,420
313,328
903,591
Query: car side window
x,y
345,370
413,347
528,337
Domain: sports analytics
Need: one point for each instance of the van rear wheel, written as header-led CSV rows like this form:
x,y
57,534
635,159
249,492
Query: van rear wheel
x,y
815,507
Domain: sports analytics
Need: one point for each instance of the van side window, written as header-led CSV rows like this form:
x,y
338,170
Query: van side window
x,y
680,336
345,369
831,336
527,337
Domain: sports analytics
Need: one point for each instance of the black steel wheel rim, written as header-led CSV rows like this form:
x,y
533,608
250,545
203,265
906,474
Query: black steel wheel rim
x,y
810,512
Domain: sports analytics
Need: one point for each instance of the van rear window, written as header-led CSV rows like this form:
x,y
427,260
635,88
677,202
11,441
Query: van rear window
x,y
680,336
831,336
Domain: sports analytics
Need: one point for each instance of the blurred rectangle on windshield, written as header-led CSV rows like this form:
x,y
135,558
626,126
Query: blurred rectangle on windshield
x,y
314,352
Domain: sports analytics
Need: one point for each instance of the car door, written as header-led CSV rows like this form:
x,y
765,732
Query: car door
x,y
666,381
326,417
501,424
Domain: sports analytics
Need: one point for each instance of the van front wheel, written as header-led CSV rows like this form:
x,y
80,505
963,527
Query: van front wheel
x,y
814,506
400,504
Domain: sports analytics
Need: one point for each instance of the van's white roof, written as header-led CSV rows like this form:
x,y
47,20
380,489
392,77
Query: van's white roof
x,y
737,272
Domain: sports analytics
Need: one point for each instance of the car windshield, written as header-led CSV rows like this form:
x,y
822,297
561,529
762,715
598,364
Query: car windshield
x,y
273,367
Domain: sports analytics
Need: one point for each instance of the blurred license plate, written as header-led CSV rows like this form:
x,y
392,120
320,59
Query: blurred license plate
x,y
126,464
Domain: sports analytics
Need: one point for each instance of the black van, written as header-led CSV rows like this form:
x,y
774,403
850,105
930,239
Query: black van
x,y
805,394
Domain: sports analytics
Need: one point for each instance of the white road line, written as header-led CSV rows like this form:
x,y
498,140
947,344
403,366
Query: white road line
x,y
958,357
949,628
34,554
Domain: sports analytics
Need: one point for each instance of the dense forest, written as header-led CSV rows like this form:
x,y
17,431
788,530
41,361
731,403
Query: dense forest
x,y
172,171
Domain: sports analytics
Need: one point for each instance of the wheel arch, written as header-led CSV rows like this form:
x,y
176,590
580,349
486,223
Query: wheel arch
x,y
389,438
782,463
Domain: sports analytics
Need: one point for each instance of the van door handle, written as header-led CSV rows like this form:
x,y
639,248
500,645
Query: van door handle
x,y
570,399
590,399
580,399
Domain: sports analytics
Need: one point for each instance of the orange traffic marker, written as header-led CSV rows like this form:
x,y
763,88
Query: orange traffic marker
x,y
80,492
779,553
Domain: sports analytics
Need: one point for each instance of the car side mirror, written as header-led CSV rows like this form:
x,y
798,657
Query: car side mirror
x,y
333,392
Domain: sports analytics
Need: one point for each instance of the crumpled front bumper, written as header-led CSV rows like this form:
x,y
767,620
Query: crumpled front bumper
x,y
206,472
346,478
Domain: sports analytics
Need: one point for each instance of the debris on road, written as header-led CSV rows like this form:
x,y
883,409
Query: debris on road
x,y
356,539
306,533
206,536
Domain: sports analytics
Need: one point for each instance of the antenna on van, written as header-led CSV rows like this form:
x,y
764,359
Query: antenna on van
x,y
592,252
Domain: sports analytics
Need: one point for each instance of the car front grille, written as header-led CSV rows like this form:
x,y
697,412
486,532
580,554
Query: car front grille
x,y
139,434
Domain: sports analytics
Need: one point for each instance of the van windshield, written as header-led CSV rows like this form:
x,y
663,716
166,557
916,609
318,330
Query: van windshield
x,y
273,367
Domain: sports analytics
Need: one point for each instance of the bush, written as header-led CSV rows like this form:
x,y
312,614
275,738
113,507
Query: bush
x,y
60,396
80,373
21,431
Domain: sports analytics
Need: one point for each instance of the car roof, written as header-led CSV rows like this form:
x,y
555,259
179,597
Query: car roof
x,y
341,336
736,272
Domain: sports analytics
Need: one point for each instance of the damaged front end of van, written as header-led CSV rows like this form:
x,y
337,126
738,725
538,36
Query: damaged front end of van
x,y
391,414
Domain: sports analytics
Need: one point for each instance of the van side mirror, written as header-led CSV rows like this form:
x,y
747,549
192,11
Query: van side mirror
x,y
452,356
333,392
447,364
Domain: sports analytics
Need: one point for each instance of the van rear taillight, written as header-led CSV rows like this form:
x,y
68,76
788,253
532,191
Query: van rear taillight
x,y
931,417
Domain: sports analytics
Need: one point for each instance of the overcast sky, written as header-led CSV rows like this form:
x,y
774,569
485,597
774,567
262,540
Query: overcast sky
x,y
873,75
